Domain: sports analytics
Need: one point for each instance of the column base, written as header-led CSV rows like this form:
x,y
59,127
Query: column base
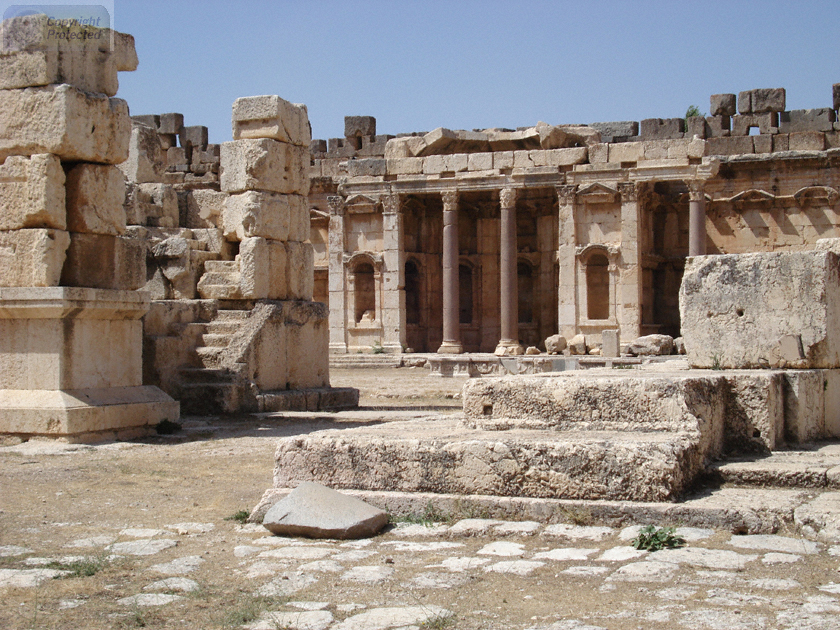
x,y
507,347
85,415
451,347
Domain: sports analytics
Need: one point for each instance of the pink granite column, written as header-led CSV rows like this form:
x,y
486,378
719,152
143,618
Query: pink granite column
x,y
508,281
451,303
696,219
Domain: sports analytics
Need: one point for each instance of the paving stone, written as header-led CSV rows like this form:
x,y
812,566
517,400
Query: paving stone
x,y
565,554
577,532
264,568
179,566
775,543
368,574
647,571
715,578
517,528
9,551
629,533
349,607
721,620
620,554
585,571
473,526
415,529
309,605
27,578
568,624
356,544
287,583
149,599
93,541
308,620
700,557
242,551
831,587
250,528
780,558
387,618
775,584
297,553
692,534
354,555
822,604
516,567
67,604
322,566
724,597
185,585
402,545
502,548
144,533
434,579
142,547
463,563
676,592
40,562
185,529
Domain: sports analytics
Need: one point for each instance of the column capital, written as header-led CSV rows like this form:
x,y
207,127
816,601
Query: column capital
x,y
566,193
391,203
450,198
696,189
629,191
507,197
336,204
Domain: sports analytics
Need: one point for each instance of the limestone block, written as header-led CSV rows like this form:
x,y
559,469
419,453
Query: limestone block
x,y
804,405
627,152
254,268
264,164
404,166
358,126
763,143
717,126
599,153
32,193
652,345
565,157
64,121
768,100
653,128
204,208
256,213
103,261
835,96
736,310
299,222
409,146
722,105
95,197
300,275
271,117
832,403
610,343
807,120
503,160
555,344
154,205
523,159
577,345
307,338
745,102
146,161
277,280
737,145
806,141
765,122
171,124
195,136
32,257
619,129
33,55
480,161
755,410
369,167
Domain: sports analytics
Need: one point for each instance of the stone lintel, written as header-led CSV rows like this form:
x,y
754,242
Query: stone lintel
x,y
71,303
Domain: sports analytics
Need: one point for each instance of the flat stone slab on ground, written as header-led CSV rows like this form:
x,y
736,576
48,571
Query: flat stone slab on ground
x,y
316,511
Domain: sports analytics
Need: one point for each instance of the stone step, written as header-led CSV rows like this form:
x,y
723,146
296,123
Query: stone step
x,y
366,360
215,340
224,291
314,399
231,314
196,245
199,257
222,266
223,327
216,278
209,398
815,468
443,457
204,376
210,356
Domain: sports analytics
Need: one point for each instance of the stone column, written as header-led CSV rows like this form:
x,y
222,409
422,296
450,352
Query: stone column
x,y
451,302
509,301
696,218
393,276
628,292
337,277
567,313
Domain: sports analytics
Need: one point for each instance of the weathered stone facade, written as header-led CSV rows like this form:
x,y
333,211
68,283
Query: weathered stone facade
x,y
480,241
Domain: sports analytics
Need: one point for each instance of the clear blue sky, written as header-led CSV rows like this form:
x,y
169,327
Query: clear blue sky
x,y
419,65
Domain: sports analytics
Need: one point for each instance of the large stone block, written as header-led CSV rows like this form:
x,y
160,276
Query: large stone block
x,y
36,53
277,279
204,208
358,126
146,160
804,405
155,205
619,129
722,105
171,124
768,100
65,121
658,128
307,338
807,120
749,310
255,213
835,96
95,197
264,164
271,117
300,270
32,258
32,193
103,261
254,268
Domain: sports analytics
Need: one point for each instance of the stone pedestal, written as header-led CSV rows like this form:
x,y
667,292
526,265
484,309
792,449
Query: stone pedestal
x,y
71,365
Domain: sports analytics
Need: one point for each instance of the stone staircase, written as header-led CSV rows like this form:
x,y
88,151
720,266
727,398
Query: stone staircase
x,y
221,280
211,385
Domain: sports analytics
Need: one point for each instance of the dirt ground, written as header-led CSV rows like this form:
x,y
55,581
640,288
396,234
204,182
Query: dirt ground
x,y
58,501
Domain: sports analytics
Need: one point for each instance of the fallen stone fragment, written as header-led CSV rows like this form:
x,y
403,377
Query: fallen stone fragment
x,y
652,345
27,578
242,551
316,511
